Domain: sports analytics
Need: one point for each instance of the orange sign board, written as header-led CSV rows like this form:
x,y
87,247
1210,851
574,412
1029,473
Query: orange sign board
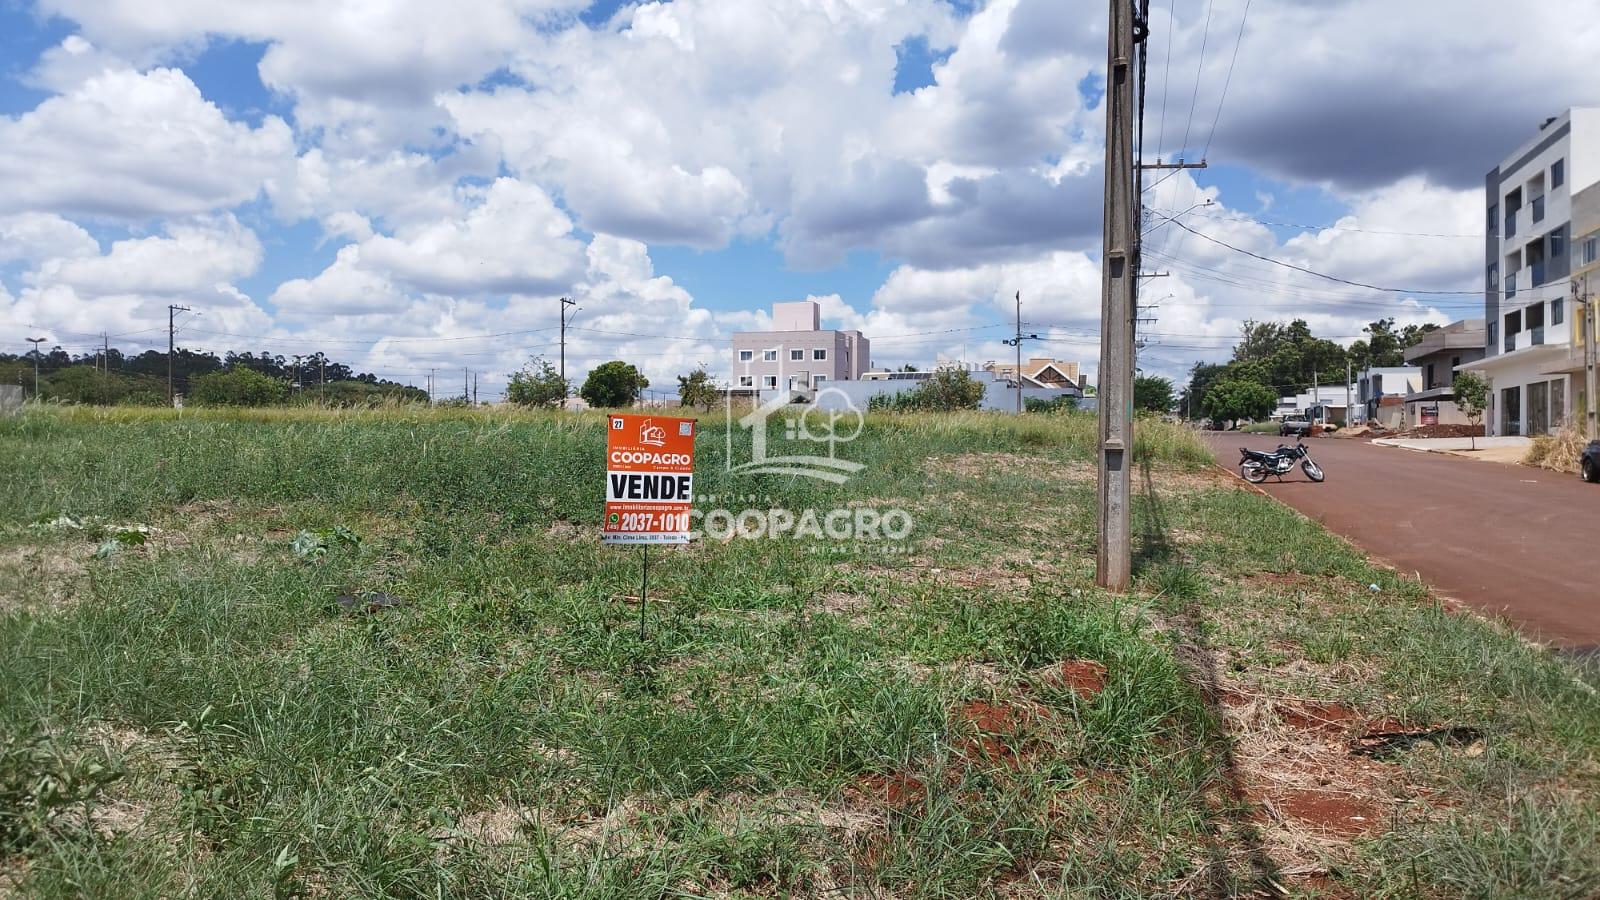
x,y
649,479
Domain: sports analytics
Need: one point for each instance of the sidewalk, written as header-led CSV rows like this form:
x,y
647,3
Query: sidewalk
x,y
1489,449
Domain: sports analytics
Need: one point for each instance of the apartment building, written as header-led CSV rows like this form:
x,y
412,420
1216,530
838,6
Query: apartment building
x,y
797,353
1529,257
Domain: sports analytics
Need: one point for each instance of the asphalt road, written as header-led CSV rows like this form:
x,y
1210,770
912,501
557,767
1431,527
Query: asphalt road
x,y
1502,538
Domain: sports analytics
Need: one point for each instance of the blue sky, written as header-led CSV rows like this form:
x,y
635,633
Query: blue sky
x,y
337,176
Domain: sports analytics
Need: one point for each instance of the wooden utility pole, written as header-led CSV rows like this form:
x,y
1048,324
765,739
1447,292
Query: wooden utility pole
x,y
1114,558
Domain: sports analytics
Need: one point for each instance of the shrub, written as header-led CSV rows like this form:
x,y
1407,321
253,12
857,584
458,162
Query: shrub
x,y
946,391
238,386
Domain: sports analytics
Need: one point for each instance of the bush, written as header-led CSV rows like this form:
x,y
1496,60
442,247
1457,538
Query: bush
x,y
361,394
1064,403
947,391
538,384
86,384
238,386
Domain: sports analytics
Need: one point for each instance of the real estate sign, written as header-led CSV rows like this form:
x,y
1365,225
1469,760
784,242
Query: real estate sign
x,y
649,479
1430,415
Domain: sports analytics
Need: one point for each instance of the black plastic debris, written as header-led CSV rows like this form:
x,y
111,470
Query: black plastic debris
x,y
1388,743
367,603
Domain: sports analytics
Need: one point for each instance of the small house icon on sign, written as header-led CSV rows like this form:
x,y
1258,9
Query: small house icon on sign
x,y
652,435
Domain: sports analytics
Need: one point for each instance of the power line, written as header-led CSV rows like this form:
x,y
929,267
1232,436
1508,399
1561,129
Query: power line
x,y
1241,217
1205,37
1298,268
1228,80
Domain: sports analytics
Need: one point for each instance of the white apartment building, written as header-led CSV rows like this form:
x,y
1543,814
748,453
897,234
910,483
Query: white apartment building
x,y
797,353
1528,260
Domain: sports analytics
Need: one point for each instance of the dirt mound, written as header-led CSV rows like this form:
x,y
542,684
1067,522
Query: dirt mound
x,y
1440,431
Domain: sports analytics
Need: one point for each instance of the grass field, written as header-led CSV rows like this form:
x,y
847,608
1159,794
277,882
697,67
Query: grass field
x,y
187,710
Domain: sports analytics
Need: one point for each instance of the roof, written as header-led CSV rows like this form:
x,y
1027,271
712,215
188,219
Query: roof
x,y
1466,334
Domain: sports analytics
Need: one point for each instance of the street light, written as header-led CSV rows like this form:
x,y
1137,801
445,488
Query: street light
x,y
36,342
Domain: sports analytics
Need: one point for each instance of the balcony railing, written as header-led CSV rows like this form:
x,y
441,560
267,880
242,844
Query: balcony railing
x,y
1511,223
1538,209
1538,273
1536,335
1511,342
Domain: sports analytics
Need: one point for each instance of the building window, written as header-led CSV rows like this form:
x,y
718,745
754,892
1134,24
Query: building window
x,y
819,354
1558,244
769,355
1557,314
1494,332
1494,276
747,381
1494,220
770,381
1558,173
1427,377
797,355
1591,250
746,355
818,379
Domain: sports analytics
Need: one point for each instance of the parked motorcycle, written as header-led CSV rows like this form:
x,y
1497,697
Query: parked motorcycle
x,y
1256,465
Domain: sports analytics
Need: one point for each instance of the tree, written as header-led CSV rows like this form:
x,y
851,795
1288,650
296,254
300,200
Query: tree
x,y
695,389
1382,348
1152,393
1472,397
1201,378
238,386
538,384
613,384
1234,399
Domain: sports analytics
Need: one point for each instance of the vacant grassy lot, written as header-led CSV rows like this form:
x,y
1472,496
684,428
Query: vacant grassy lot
x,y
187,708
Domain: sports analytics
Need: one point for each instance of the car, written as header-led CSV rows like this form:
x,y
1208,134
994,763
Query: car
x,y
1292,427
1590,463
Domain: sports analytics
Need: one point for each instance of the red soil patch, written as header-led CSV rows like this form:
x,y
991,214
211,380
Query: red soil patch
x,y
1084,677
1341,814
1281,579
897,789
1311,715
990,718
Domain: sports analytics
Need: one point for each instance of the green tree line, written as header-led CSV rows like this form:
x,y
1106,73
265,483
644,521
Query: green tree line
x,y
1274,359
113,378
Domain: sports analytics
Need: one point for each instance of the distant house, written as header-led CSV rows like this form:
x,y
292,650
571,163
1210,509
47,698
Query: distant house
x,y
1437,356
1039,372
1381,393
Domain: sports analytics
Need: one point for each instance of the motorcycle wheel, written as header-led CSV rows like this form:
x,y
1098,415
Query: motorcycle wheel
x,y
1313,470
1252,472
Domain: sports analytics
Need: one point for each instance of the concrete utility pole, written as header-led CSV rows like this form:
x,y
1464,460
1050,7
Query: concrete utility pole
x,y
1017,342
172,316
36,342
1348,412
466,387
1316,399
1591,358
565,302
1114,558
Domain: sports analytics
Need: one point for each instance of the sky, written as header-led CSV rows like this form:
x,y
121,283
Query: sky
x,y
411,186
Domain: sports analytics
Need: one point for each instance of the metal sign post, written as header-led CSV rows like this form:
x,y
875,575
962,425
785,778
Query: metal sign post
x,y
649,487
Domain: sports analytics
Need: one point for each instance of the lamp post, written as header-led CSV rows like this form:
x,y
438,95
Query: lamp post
x,y
36,342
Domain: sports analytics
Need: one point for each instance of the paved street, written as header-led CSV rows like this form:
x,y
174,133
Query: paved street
x,y
1498,537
